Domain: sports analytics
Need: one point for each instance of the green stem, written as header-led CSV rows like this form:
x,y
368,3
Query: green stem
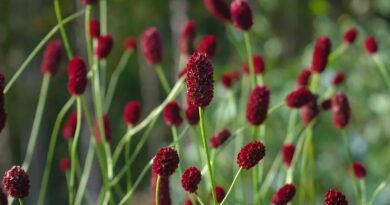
x,y
57,9
103,16
163,79
337,53
250,60
382,69
88,39
74,151
303,168
157,188
127,156
363,191
86,172
115,77
37,49
21,201
206,150
177,146
378,190
50,152
198,199
231,186
255,171
37,122
314,82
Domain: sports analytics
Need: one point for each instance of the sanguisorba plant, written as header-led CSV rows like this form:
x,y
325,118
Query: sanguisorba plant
x,y
202,181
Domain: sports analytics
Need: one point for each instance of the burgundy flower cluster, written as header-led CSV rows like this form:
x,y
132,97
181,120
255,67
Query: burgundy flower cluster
x,y
77,76
218,139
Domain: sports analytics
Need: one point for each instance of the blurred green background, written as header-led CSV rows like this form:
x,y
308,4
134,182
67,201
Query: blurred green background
x,y
283,33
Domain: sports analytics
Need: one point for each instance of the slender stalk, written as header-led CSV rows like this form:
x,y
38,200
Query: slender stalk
x,y
382,69
163,79
177,146
362,184
127,156
156,198
198,199
250,60
255,171
73,154
338,52
57,9
38,48
21,201
303,169
231,186
115,77
86,172
314,82
50,152
88,39
378,190
37,122
206,150
103,16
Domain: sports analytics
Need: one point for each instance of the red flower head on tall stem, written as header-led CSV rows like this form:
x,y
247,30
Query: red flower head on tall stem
x,y
219,9
208,45
200,80
106,129
171,113
104,46
190,179
192,114
220,138
241,14
258,65
52,57
284,195
335,197
359,170
94,28
250,155
350,36
341,110
220,193
288,151
303,78
165,162
77,76
187,38
320,55
299,97
338,79
152,46
229,78
164,195
130,44
70,126
257,105
16,182
88,2
64,164
371,45
132,113
309,111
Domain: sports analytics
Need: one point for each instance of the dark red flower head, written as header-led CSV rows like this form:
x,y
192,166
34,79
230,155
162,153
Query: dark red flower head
x,y
52,57
219,9
350,35
341,110
288,153
250,154
77,76
309,111
152,46
165,162
359,170
70,126
320,55
187,38
284,195
130,44
64,164
200,80
220,193
241,14
172,115
303,78
192,114
164,195
299,97
94,28
16,182
106,127
104,46
371,45
190,179
229,78
338,78
257,105
88,2
334,197
218,139
132,113
326,104
208,45
3,197
258,64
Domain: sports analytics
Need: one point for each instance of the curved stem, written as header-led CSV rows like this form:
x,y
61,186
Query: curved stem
x,y
250,60
206,150
156,198
231,186
57,9
74,152
50,152
378,190
163,79
37,122
86,172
